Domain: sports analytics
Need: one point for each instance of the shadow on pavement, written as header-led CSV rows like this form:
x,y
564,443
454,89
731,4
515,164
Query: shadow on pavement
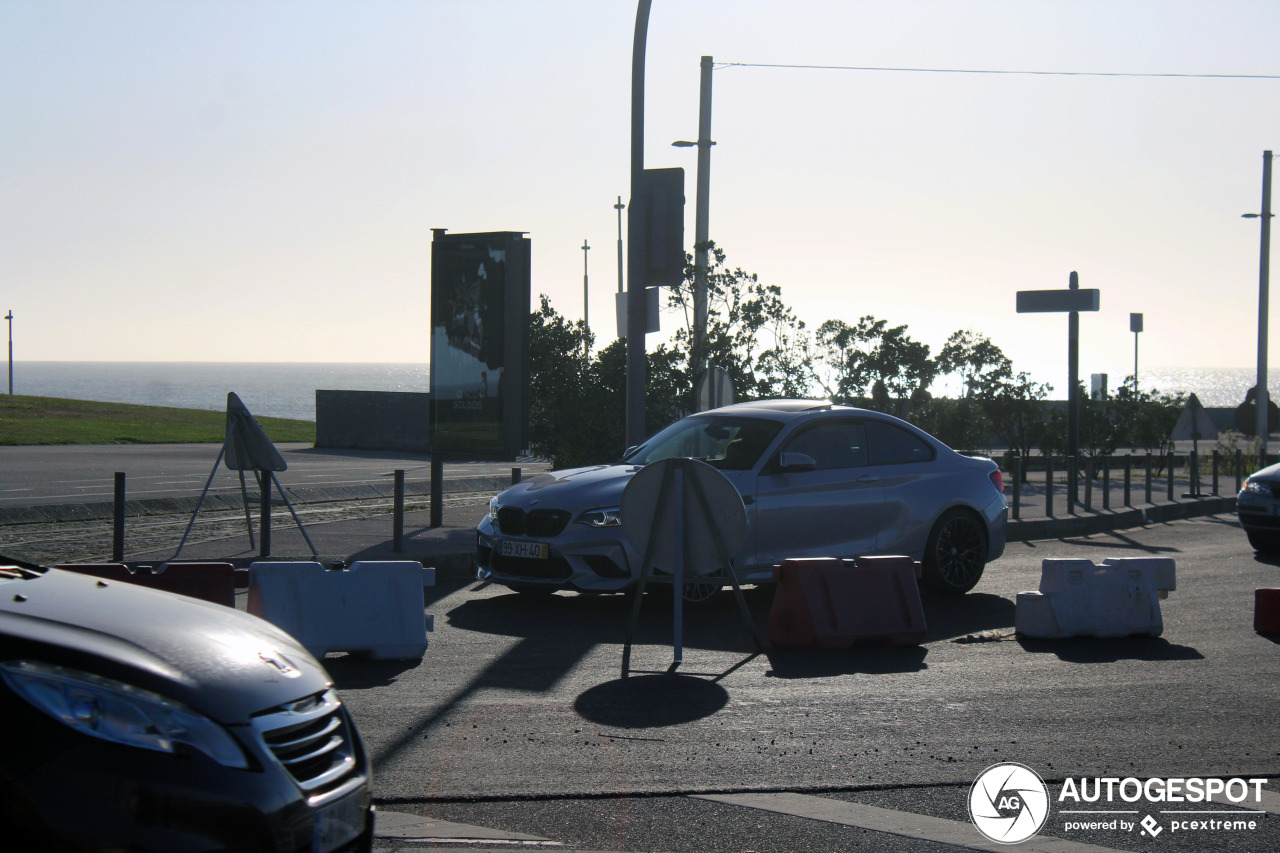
x,y
865,660
651,701
1095,650
949,616
354,672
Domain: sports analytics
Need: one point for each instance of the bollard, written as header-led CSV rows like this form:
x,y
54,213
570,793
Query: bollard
x,y
1106,482
1015,468
1149,479
1088,485
515,476
1239,470
1215,473
1172,460
437,489
1073,483
1048,486
397,514
1128,476
264,484
117,527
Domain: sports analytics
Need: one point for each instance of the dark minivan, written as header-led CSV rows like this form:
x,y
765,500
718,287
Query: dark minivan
x,y
143,720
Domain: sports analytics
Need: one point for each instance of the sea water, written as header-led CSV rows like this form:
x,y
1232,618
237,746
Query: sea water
x,y
288,390
285,390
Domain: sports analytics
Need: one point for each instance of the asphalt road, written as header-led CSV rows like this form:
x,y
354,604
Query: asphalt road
x,y
39,475
517,718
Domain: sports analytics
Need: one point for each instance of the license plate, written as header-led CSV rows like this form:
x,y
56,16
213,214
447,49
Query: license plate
x,y
338,823
532,550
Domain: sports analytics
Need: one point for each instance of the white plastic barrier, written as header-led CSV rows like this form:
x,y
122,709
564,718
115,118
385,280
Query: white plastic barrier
x,y
373,608
1080,599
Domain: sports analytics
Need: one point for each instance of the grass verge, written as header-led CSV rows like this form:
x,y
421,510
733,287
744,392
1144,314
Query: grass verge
x,y
52,420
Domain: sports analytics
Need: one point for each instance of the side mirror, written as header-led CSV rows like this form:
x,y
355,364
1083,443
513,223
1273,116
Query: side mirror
x,y
790,463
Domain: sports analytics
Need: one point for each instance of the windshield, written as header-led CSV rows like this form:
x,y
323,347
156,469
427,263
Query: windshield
x,y
727,443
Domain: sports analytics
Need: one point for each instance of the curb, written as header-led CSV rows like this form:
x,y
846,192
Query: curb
x,y
1063,528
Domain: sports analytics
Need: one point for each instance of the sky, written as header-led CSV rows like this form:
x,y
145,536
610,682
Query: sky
x,y
257,181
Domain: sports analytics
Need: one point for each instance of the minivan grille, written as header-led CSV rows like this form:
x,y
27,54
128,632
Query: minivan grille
x,y
312,739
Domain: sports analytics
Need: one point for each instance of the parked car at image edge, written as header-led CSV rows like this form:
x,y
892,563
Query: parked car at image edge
x,y
816,479
1258,508
146,721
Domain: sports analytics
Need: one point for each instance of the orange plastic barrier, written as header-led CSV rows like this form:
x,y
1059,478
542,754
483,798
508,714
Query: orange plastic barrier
x,y
1266,611
215,582
826,603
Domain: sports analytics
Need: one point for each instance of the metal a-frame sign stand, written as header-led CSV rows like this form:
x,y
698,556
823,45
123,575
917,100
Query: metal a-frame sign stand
x,y
247,448
685,511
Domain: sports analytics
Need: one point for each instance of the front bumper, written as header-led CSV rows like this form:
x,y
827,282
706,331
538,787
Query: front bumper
x,y
589,560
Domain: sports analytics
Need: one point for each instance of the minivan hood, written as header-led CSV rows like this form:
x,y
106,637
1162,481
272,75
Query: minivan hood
x,y
219,661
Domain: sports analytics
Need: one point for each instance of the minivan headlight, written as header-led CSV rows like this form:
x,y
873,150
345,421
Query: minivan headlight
x,y
119,712
1257,487
607,517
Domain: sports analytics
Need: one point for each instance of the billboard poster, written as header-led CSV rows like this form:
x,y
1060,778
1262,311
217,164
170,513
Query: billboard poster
x,y
479,342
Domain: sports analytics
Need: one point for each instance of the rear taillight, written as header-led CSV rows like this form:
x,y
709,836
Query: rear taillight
x,y
997,480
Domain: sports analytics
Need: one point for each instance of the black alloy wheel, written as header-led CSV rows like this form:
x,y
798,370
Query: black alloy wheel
x,y
956,553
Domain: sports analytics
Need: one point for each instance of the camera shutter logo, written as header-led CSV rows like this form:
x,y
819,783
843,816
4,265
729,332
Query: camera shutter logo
x,y
1008,803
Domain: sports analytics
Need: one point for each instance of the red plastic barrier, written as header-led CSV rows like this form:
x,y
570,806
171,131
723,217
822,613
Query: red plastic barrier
x,y
215,582
1266,611
826,603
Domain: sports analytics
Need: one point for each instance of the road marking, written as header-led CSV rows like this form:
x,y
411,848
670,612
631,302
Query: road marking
x,y
906,824
407,827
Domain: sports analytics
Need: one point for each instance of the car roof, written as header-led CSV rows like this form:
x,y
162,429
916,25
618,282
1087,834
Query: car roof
x,y
781,407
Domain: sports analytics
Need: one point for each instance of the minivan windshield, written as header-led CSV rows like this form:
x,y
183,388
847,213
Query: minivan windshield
x,y
730,443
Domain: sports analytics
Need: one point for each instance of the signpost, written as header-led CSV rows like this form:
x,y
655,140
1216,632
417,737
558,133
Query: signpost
x,y
1071,301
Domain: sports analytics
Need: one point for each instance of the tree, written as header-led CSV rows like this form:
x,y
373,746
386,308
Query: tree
x,y
1146,418
577,407
751,333
1014,405
975,359
872,359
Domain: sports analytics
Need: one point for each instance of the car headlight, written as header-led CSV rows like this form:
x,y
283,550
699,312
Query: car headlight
x,y
608,517
1257,487
119,712
493,509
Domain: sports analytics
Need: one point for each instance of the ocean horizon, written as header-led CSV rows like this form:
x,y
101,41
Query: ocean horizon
x,y
288,389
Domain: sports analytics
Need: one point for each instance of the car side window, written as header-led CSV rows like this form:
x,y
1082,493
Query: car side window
x,y
832,445
892,445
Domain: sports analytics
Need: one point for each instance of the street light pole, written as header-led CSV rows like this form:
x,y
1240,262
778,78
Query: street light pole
x,y
1135,326
637,305
9,317
1262,401
586,323
700,225
701,266
619,207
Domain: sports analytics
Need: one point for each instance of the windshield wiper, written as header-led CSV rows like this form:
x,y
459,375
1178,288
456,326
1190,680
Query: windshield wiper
x,y
26,569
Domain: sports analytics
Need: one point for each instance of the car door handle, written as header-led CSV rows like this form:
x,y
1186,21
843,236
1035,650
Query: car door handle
x,y
867,478
748,499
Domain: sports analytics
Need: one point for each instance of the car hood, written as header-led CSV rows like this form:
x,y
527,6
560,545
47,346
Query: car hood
x,y
1270,473
573,488
578,489
220,661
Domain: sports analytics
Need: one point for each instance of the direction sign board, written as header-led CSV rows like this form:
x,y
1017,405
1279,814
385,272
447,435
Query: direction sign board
x,y
1040,301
